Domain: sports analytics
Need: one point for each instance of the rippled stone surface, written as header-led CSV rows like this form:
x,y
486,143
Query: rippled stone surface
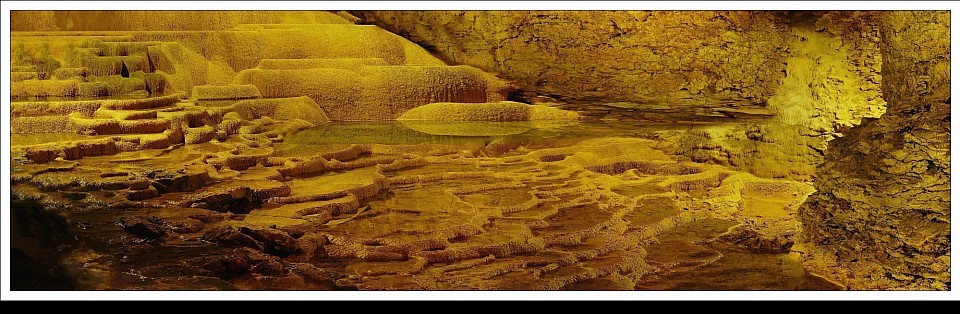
x,y
582,206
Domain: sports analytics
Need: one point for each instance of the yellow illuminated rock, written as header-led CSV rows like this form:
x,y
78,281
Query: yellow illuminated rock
x,y
887,181
480,150
505,111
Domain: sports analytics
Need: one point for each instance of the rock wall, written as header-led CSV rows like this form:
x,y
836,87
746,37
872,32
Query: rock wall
x,y
832,81
832,74
660,57
881,216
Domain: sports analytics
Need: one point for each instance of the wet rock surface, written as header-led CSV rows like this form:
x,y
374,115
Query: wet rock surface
x,y
147,228
438,212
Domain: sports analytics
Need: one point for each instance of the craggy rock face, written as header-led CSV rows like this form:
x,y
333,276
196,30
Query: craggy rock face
x,y
832,72
818,72
669,57
881,216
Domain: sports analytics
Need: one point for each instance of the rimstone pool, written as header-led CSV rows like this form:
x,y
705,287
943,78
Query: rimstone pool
x,y
441,150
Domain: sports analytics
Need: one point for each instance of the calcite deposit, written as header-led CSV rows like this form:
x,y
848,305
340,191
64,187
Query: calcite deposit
x,y
504,111
664,57
881,216
479,150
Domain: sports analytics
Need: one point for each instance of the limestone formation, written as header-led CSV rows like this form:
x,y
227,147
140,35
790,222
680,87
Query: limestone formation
x,y
504,111
881,216
824,89
216,92
377,92
509,150
663,57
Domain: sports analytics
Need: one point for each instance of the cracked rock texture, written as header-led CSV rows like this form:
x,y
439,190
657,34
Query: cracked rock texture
x,y
832,73
817,72
881,216
669,57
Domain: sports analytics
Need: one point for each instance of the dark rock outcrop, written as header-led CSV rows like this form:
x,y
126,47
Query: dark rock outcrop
x,y
147,228
274,241
231,237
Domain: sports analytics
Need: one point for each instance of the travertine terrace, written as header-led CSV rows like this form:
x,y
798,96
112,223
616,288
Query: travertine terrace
x,y
480,150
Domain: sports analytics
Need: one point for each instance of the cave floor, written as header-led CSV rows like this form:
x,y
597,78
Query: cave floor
x,y
412,206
